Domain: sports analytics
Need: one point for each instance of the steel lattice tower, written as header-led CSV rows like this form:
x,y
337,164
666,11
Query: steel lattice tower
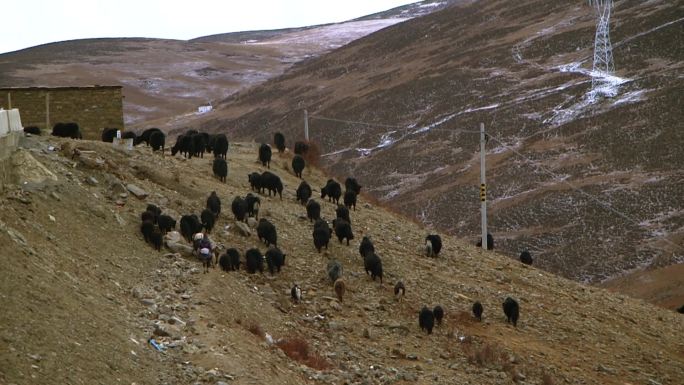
x,y
603,50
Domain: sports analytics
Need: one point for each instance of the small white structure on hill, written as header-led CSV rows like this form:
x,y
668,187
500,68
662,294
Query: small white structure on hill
x,y
204,109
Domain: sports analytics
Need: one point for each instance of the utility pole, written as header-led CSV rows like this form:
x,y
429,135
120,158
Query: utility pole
x,y
9,100
47,110
483,187
306,125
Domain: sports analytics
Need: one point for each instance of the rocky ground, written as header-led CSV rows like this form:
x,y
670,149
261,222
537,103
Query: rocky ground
x,y
82,293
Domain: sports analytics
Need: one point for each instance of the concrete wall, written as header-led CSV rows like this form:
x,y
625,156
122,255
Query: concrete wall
x,y
93,108
11,132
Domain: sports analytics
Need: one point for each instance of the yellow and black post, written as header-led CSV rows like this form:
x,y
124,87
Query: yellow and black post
x,y
483,187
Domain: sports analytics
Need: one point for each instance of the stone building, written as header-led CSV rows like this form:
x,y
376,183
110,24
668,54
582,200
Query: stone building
x,y
93,108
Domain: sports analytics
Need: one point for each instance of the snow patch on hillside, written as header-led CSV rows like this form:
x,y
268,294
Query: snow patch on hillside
x,y
331,36
607,86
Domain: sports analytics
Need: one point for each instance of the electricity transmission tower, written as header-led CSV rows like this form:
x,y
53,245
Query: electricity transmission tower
x,y
603,50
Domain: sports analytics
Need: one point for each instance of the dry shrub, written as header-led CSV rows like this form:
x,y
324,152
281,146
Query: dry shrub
x,y
298,350
255,329
313,154
464,317
486,356
547,379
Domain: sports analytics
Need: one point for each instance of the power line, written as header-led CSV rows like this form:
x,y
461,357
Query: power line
x,y
421,130
355,122
603,204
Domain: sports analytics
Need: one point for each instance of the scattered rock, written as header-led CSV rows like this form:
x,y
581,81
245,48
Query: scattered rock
x,y
252,222
160,331
605,369
120,220
366,333
242,229
91,181
147,301
172,236
184,250
137,191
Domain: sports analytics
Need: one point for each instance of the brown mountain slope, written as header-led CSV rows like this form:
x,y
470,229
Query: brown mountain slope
x,y
82,292
164,78
522,68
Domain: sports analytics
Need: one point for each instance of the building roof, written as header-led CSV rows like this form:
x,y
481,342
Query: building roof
x,y
56,88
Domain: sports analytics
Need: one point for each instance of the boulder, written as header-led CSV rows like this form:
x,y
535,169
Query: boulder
x,y
137,191
242,229
184,250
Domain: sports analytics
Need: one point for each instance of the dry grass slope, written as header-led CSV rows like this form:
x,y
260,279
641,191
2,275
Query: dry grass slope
x,y
509,65
82,293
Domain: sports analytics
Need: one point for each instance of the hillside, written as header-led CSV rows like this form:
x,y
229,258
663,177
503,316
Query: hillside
x,y
82,292
567,165
164,78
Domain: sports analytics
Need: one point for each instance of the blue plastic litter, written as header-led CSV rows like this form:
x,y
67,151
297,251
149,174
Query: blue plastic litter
x,y
156,344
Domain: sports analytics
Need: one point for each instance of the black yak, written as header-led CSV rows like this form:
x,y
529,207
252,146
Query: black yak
x,y
108,134
145,136
321,234
477,310
279,141
266,232
33,130
214,203
272,183
254,261
373,265
157,141
334,270
146,228
426,319
433,245
303,192
298,165
350,199
220,168
301,148
352,185
255,181
438,312
313,210
220,146
275,259
239,208
253,204
265,155
166,223
342,212
511,310
67,130
332,190
230,261
366,247
189,226
490,242
343,230
526,257
208,219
